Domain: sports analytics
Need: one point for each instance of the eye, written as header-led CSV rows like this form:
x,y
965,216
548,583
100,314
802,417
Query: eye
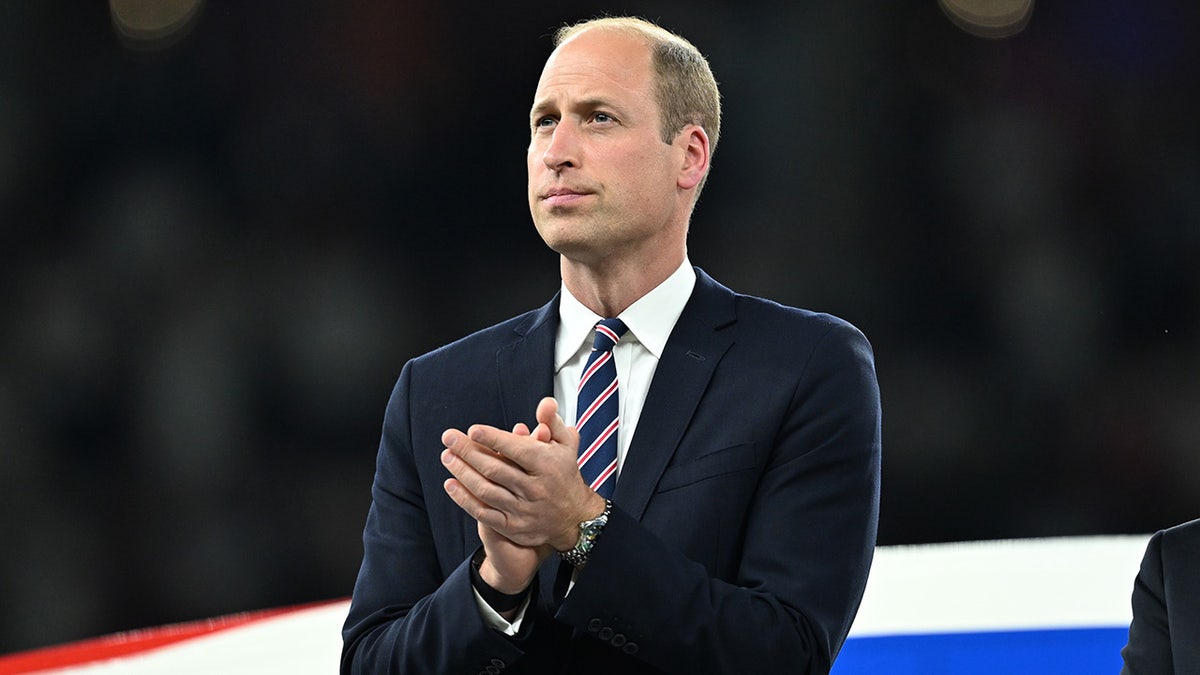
x,y
602,118
544,123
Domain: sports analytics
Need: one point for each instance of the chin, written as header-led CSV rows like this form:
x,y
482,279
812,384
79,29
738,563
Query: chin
x,y
573,248
560,232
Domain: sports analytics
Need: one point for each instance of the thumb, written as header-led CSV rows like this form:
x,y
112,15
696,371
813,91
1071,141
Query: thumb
x,y
547,414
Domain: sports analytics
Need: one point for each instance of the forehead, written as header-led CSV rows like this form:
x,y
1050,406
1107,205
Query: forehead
x,y
597,63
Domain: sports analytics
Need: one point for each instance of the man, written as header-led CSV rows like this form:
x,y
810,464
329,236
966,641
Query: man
x,y
746,450
1164,637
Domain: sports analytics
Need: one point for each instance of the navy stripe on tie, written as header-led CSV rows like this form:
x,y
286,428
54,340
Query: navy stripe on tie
x,y
598,413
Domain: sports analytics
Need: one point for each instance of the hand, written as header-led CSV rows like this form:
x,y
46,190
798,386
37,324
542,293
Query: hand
x,y
525,487
509,567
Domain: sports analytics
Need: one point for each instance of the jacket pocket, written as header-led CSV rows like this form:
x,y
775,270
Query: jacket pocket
x,y
733,459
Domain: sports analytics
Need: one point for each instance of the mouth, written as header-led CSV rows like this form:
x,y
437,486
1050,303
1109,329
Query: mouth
x,y
562,196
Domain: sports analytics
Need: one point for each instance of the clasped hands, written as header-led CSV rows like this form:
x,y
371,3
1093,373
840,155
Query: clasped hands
x,y
524,490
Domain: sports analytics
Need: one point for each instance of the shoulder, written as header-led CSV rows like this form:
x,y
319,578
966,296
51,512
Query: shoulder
x,y
816,350
1173,548
1181,542
774,328
1188,530
758,312
753,315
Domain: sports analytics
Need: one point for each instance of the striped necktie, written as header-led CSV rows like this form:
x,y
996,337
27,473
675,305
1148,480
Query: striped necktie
x,y
598,413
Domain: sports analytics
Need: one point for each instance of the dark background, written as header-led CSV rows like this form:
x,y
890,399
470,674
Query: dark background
x,y
216,255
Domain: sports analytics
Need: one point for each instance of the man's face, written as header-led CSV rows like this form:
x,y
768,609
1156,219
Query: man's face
x,y
602,182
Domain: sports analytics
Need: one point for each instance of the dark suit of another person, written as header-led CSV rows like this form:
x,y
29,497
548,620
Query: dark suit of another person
x,y
1164,637
743,523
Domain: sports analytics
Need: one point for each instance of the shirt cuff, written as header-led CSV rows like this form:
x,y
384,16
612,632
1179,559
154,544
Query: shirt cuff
x,y
493,619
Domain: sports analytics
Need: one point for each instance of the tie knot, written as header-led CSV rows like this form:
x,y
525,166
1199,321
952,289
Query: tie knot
x,y
608,332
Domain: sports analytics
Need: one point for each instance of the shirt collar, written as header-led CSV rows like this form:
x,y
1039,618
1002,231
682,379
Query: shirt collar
x,y
650,319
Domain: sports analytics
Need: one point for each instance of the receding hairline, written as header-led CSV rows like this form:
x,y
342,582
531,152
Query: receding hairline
x,y
647,32
684,86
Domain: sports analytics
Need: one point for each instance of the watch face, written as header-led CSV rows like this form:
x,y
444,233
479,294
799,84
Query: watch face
x,y
589,530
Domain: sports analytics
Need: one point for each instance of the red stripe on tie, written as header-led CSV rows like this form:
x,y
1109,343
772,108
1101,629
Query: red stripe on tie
x,y
598,408
587,414
604,436
608,332
585,456
604,475
596,365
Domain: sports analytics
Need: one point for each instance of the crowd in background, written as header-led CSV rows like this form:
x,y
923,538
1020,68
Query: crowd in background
x,y
216,254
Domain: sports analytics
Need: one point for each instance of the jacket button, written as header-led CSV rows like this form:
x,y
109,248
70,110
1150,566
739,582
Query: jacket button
x,y
618,640
630,648
594,625
605,633
498,663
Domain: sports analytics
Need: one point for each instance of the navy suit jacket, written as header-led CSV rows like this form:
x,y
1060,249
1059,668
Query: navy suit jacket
x,y
1164,636
744,519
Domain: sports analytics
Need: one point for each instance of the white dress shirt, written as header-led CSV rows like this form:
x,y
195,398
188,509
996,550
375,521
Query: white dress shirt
x,y
650,321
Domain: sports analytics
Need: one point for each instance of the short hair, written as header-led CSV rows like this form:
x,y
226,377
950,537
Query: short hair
x,y
684,86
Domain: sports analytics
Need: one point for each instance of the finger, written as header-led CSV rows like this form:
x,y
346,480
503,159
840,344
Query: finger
x,y
483,458
478,437
546,408
520,429
496,457
476,508
487,436
513,447
559,430
483,478
455,440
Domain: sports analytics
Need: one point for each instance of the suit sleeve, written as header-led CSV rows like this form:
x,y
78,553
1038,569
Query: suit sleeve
x,y
404,618
806,544
1148,651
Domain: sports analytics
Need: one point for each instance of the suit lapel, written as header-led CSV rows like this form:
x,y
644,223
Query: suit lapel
x,y
684,372
525,375
525,367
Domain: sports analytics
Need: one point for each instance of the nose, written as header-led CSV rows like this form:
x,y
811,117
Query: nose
x,y
562,148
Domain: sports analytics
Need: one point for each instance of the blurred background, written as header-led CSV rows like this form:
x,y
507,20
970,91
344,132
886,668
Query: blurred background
x,y
224,227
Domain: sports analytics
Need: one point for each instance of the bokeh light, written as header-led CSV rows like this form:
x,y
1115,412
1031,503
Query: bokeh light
x,y
153,24
989,18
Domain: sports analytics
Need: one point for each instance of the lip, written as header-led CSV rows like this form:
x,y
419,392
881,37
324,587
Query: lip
x,y
562,196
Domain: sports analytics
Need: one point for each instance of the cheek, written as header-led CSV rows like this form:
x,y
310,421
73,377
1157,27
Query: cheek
x,y
531,173
652,176
530,163
655,161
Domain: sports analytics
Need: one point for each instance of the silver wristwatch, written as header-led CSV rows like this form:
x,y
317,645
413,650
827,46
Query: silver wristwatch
x,y
589,531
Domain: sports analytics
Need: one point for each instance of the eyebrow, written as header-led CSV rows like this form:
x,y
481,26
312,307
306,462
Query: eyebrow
x,y
546,105
540,108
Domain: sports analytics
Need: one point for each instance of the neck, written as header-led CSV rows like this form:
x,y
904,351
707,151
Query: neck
x,y
610,287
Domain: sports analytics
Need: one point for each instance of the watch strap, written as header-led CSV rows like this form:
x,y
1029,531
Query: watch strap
x,y
589,532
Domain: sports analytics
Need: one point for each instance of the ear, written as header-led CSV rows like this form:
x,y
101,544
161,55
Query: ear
x,y
694,142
